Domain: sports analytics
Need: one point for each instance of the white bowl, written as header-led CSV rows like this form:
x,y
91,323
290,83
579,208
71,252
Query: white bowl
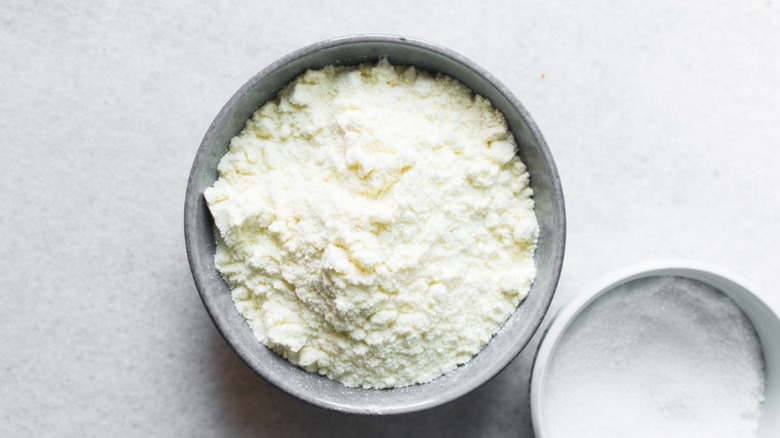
x,y
764,318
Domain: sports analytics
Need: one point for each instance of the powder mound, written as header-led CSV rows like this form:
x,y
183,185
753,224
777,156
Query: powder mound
x,y
374,224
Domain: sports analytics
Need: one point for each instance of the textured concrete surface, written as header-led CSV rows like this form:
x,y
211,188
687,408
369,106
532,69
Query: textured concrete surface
x,y
664,120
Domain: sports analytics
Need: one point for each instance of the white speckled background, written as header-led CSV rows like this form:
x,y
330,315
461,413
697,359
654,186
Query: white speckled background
x,y
664,120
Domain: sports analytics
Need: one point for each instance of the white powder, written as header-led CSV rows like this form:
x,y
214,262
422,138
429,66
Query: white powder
x,y
375,225
657,357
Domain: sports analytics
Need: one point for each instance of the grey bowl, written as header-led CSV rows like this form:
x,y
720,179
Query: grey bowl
x,y
321,391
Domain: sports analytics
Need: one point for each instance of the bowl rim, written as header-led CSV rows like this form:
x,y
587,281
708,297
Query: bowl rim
x,y
568,313
557,201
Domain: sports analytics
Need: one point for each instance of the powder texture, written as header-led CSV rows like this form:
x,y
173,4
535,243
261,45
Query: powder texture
x,y
657,357
375,225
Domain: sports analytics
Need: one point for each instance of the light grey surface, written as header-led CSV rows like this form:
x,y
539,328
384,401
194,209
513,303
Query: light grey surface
x,y
662,117
516,332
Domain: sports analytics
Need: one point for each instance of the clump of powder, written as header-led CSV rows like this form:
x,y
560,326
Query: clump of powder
x,y
657,357
375,224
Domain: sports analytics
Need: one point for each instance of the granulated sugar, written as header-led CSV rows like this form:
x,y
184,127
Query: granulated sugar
x,y
657,357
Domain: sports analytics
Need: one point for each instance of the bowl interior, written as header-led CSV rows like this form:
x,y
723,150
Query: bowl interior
x,y
765,321
319,390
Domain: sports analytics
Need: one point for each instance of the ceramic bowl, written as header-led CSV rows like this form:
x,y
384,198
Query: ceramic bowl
x,y
319,390
749,298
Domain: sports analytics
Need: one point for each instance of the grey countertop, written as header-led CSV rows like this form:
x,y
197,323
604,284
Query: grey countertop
x,y
664,120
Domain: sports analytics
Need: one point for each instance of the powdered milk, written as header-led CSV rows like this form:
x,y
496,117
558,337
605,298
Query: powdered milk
x,y
375,225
